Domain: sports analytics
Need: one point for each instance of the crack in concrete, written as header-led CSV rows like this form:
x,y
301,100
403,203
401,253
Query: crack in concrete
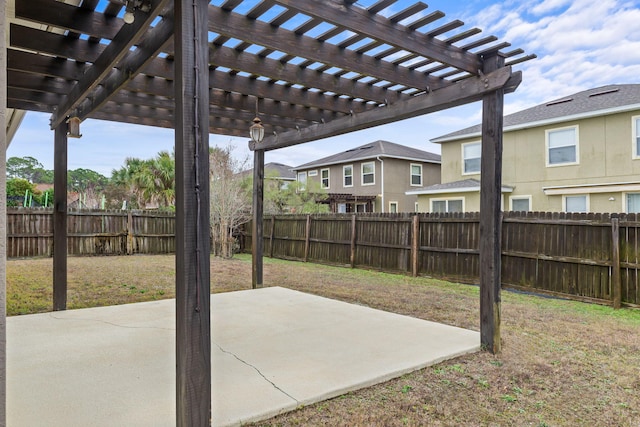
x,y
112,324
258,371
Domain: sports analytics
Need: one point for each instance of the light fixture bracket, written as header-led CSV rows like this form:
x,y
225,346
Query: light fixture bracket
x,y
131,6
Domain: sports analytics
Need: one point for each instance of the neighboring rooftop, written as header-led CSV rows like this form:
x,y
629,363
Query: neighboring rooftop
x,y
589,103
371,151
281,171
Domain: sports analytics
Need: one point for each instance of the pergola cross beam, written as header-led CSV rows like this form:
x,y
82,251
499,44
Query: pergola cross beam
x,y
469,91
119,47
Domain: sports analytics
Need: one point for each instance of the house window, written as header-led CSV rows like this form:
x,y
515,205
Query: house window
x,y
416,175
324,178
447,205
562,146
368,173
393,207
361,207
347,176
636,136
416,207
471,158
313,173
632,202
520,203
302,179
579,203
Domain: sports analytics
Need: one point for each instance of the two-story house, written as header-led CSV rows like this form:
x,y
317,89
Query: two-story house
x,y
579,153
373,177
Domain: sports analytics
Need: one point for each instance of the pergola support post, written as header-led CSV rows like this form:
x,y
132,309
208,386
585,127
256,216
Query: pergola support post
x,y
257,230
193,318
4,144
60,217
491,211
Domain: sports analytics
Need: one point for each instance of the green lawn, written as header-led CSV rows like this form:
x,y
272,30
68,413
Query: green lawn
x,y
563,363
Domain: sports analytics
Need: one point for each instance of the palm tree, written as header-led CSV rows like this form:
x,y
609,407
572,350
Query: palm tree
x,y
148,181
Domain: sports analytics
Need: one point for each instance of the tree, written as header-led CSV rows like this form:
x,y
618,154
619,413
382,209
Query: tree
x,y
123,186
292,197
89,185
162,171
230,204
17,188
141,182
30,169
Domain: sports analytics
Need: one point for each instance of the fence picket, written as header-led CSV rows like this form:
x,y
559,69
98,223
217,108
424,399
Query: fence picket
x,y
561,254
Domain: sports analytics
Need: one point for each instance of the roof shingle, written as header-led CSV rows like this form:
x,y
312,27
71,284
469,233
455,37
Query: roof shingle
x,y
598,101
372,150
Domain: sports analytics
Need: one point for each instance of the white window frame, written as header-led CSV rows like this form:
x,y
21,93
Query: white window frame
x,y
635,136
393,204
302,183
313,172
548,132
416,207
362,166
344,176
467,144
447,200
512,198
587,202
625,207
325,187
411,174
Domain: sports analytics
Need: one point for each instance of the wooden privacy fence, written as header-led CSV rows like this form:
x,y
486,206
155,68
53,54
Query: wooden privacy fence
x,y
593,257
91,232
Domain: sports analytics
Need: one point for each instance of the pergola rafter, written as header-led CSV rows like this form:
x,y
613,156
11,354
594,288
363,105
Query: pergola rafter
x,y
311,68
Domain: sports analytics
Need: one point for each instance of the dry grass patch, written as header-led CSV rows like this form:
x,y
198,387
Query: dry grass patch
x,y
563,363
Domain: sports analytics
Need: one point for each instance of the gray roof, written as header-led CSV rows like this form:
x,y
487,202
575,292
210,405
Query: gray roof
x,y
371,151
466,185
284,171
281,171
589,103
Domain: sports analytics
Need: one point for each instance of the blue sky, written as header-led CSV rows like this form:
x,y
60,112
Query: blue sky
x,y
580,44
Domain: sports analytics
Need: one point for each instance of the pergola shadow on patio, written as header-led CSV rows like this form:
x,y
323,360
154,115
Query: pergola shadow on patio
x,y
310,69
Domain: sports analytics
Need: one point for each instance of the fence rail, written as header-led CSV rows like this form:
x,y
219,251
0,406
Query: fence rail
x,y
90,232
591,257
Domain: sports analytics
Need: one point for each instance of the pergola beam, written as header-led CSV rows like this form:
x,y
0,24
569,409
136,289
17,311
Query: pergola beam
x,y
135,61
261,33
278,70
378,27
467,91
119,47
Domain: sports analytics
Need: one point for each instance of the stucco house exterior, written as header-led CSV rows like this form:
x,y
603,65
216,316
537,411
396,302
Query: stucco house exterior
x,y
374,177
578,153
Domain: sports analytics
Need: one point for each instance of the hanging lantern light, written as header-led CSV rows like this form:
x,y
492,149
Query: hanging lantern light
x,y
74,127
256,130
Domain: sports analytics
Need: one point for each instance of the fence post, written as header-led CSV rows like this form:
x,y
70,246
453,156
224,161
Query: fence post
x,y
352,256
415,244
129,233
273,227
616,285
306,239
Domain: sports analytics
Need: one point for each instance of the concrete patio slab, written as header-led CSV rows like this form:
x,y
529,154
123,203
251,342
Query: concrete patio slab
x,y
273,349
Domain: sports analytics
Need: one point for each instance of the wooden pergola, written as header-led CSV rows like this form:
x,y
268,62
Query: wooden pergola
x,y
310,69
